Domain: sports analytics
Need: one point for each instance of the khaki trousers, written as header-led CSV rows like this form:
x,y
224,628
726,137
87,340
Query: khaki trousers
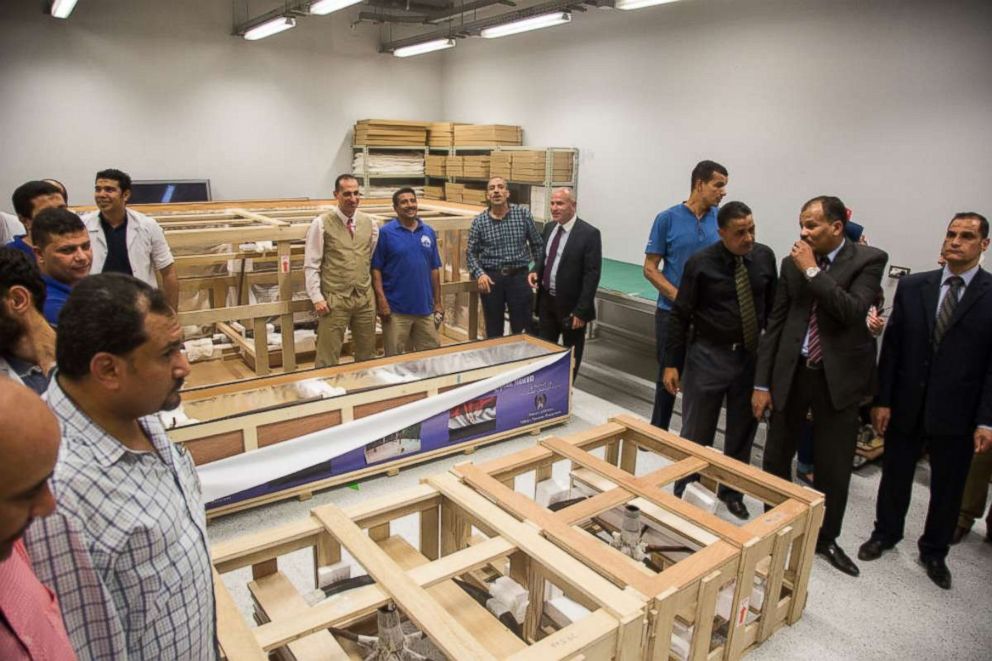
x,y
356,313
409,332
976,490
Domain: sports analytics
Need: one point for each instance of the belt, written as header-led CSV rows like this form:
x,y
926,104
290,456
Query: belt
x,y
810,365
509,270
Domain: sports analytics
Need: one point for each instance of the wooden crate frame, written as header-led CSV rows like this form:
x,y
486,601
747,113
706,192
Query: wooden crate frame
x,y
777,545
447,511
247,431
189,227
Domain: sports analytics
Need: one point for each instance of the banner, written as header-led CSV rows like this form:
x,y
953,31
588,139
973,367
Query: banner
x,y
517,398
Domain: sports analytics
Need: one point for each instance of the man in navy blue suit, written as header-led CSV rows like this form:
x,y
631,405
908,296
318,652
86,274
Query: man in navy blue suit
x,y
935,392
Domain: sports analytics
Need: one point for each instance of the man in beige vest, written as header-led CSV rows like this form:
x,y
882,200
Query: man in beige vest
x,y
337,271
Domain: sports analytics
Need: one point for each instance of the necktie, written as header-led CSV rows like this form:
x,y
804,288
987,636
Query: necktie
x,y
815,354
552,257
947,308
745,301
351,227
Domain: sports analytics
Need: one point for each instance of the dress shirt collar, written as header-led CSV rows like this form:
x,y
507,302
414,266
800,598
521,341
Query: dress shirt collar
x,y
832,255
569,225
731,258
344,218
967,276
106,449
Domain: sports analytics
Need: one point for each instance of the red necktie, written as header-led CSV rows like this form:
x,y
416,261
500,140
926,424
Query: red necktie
x,y
552,257
351,227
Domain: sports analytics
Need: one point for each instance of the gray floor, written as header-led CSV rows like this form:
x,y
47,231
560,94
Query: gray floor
x,y
892,611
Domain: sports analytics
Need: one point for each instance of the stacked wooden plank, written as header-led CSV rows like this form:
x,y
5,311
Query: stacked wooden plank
x,y
441,134
454,166
390,132
467,194
434,192
434,165
487,134
476,167
531,166
500,164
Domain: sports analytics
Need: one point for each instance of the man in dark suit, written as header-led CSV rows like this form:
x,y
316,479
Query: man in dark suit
x,y
935,392
818,354
568,276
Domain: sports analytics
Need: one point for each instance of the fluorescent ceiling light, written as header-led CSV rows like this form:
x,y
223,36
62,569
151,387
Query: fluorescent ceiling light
x,y
269,28
638,4
533,23
62,8
426,47
322,7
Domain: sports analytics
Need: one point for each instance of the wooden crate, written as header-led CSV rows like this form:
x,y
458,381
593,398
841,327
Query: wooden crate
x,y
478,135
417,574
390,132
773,550
244,416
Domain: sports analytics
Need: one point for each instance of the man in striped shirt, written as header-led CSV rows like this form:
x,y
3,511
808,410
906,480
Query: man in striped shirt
x,y
126,550
502,244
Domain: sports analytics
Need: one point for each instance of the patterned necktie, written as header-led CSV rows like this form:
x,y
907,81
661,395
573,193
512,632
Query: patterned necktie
x,y
815,350
351,227
947,308
745,302
552,257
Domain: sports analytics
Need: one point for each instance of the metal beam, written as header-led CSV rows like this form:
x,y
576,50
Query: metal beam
x,y
290,8
457,10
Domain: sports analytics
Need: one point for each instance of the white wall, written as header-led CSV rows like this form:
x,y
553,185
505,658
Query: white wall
x,y
883,103
161,90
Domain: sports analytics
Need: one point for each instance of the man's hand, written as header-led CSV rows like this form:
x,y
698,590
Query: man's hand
x,y
802,255
577,323
875,321
761,401
321,308
983,439
880,416
670,378
532,280
485,283
382,309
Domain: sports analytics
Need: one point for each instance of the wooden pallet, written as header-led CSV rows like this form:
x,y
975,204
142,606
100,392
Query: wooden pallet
x,y
775,549
417,576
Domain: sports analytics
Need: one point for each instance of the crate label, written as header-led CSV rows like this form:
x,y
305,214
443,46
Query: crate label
x,y
742,612
284,263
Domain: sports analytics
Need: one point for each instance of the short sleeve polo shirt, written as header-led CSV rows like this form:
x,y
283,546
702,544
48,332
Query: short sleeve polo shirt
x,y
677,235
406,258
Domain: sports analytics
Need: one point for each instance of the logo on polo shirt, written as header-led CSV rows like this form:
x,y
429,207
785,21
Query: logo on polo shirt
x,y
425,241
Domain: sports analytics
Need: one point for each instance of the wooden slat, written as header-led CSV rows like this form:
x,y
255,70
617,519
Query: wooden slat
x,y
412,599
236,640
278,599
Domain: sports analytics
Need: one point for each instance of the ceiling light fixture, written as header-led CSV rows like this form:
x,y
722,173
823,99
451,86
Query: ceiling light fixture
x,y
426,47
269,28
627,5
324,7
62,8
523,25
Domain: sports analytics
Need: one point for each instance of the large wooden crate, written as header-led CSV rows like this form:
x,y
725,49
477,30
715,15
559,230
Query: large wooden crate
x,y
732,587
455,535
244,416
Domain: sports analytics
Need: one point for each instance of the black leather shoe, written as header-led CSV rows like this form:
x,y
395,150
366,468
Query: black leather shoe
x,y
872,550
836,556
959,533
937,571
737,508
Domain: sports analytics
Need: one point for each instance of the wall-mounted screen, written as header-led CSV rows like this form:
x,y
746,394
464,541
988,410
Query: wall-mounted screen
x,y
156,191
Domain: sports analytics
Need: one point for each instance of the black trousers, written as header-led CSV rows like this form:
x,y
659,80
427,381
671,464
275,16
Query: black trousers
x,y
835,434
664,401
550,326
508,292
713,373
950,460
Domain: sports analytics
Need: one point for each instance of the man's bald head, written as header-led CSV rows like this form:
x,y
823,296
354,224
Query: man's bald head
x,y
29,445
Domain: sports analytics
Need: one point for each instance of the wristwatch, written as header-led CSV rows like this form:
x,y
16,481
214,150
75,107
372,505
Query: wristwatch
x,y
812,272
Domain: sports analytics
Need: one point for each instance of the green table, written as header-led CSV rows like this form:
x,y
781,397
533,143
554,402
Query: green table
x,y
627,279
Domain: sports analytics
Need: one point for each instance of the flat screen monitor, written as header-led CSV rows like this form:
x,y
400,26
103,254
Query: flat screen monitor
x,y
156,191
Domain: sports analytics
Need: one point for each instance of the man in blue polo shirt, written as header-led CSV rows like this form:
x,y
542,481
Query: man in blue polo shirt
x,y
406,277
62,248
677,234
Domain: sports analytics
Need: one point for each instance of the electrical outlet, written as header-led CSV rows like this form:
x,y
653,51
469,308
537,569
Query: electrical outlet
x,y
898,271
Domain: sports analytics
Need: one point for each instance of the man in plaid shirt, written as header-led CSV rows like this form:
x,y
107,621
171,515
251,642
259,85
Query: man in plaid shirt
x,y
126,550
502,245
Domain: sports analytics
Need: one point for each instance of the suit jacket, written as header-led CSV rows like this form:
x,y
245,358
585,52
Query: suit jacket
x,y
579,267
843,292
947,392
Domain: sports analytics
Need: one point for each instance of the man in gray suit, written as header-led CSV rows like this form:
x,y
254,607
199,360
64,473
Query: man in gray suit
x,y
818,355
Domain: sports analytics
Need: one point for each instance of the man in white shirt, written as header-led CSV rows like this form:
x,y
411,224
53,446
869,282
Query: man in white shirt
x,y
338,276
127,241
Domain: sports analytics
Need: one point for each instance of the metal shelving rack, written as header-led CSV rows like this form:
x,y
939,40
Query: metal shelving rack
x,y
366,179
